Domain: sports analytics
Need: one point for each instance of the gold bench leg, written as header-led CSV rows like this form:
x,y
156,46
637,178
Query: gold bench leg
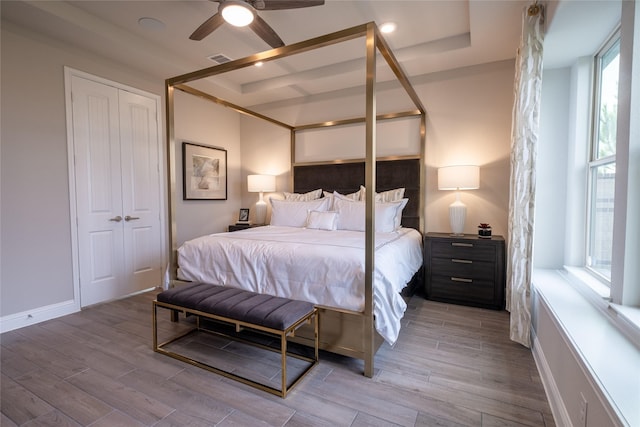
x,y
283,351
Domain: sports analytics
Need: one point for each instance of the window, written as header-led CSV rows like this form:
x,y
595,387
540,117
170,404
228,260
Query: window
x,y
602,161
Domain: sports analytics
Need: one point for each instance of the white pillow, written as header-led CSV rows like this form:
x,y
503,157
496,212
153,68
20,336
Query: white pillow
x,y
294,214
319,220
386,196
351,215
297,197
398,219
353,196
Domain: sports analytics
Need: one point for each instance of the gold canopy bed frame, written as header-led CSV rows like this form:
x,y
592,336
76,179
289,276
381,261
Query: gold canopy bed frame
x,y
344,332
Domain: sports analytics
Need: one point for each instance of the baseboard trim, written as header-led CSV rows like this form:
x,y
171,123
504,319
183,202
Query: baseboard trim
x,y
558,409
37,315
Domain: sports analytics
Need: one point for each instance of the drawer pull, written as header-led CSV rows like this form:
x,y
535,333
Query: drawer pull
x,y
460,279
464,245
461,261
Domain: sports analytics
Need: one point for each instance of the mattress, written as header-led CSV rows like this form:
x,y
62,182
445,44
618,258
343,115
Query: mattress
x,y
322,267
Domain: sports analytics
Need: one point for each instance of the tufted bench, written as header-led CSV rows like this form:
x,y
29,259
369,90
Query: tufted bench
x,y
245,310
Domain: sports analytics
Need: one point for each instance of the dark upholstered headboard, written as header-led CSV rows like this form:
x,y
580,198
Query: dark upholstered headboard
x,y
346,178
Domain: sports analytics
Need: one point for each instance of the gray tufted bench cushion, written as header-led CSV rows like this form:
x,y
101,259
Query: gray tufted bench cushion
x,y
238,304
274,316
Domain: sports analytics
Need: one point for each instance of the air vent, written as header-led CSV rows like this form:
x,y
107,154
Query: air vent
x,y
219,58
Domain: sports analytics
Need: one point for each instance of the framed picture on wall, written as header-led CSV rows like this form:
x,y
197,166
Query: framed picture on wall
x,y
204,172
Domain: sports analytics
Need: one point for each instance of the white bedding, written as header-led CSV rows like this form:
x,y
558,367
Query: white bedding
x,y
323,267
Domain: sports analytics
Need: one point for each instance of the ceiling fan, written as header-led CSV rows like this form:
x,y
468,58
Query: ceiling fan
x,y
241,13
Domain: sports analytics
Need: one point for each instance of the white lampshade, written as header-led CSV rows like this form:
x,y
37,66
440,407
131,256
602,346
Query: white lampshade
x,y
260,184
458,178
237,13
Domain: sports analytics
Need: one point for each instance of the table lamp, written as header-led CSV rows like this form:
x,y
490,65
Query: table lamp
x,y
260,184
458,178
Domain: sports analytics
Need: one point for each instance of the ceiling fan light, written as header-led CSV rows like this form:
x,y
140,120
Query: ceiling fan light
x,y
237,13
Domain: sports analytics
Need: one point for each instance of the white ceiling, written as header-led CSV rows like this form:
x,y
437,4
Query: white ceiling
x,y
431,36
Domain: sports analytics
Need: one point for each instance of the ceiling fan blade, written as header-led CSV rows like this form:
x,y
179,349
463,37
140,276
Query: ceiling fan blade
x,y
207,27
288,4
265,32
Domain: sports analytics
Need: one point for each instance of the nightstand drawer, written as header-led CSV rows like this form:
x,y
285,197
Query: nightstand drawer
x,y
463,250
461,290
467,268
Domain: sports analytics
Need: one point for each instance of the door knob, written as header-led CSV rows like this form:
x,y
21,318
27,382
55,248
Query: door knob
x,y
116,218
130,218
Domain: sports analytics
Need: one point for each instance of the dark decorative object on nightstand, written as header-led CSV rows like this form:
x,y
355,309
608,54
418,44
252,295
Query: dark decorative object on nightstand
x,y
484,231
466,270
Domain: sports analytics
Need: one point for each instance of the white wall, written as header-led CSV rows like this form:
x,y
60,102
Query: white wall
x,y
266,149
551,173
468,122
578,148
36,263
203,122
398,137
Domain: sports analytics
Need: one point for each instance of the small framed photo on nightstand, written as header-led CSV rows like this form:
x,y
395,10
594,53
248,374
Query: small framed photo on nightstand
x,y
243,216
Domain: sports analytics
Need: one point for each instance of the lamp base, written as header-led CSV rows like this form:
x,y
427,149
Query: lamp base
x,y
457,216
261,212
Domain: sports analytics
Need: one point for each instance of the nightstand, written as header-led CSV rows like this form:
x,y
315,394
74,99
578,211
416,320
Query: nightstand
x,y
466,270
237,227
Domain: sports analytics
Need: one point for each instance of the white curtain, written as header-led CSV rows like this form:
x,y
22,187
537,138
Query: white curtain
x,y
524,137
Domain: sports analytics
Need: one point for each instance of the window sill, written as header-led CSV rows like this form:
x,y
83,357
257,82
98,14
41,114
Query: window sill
x,y
609,354
628,320
625,318
582,277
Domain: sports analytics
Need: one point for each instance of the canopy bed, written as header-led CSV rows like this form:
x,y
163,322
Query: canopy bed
x,y
349,330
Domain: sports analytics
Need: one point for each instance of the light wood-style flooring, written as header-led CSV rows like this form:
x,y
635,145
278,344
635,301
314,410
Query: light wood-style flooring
x,y
451,366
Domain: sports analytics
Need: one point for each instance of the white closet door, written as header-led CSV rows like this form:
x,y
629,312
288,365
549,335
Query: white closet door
x,y
96,134
140,163
117,188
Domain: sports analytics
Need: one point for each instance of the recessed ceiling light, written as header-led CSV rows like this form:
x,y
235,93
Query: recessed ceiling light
x,y
258,64
388,27
151,23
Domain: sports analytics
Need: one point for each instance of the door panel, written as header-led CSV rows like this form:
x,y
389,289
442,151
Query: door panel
x,y
102,244
98,189
141,192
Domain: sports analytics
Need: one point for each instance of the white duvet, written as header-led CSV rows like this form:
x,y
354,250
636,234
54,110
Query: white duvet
x,y
322,267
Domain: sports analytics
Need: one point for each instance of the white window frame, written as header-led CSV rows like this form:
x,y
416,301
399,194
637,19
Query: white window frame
x,y
618,298
620,301
594,161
